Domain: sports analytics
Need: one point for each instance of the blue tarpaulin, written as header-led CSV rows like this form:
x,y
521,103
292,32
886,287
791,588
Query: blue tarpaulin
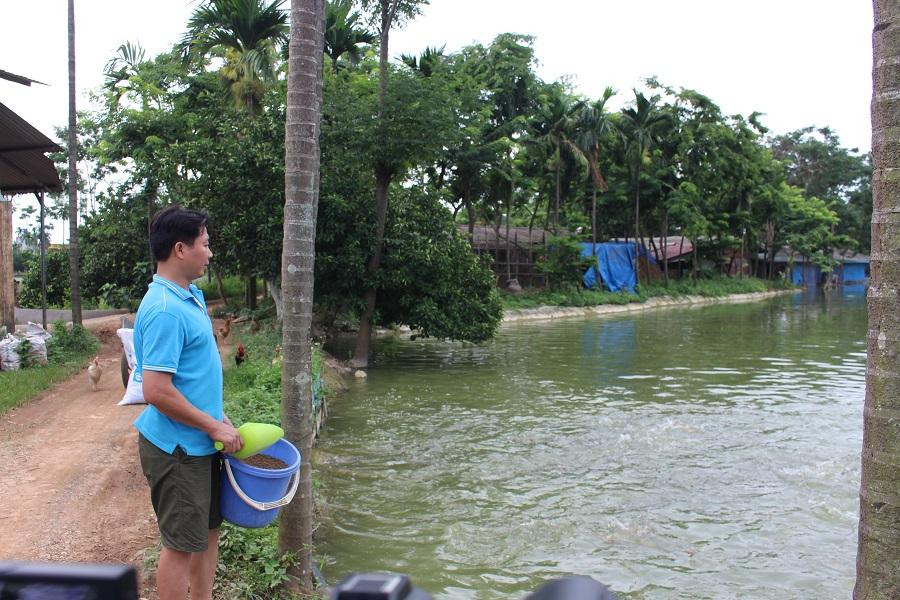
x,y
615,265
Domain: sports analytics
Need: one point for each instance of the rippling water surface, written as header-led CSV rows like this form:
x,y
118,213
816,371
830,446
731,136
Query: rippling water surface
x,y
686,453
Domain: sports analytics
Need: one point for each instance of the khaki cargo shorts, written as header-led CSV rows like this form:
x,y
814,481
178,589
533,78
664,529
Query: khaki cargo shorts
x,y
184,491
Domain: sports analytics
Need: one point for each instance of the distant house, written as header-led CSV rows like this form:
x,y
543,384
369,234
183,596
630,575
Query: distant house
x,y
852,268
523,245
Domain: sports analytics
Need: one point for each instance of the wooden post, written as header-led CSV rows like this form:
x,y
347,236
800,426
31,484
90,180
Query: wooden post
x,y
43,263
7,287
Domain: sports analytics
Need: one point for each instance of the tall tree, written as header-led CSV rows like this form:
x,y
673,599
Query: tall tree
x,y
301,190
878,557
73,176
594,124
386,14
641,124
554,126
344,35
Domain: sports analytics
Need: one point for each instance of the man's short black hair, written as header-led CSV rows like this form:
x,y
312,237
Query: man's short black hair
x,y
174,224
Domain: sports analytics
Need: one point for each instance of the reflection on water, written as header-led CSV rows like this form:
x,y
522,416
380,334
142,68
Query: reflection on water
x,y
689,453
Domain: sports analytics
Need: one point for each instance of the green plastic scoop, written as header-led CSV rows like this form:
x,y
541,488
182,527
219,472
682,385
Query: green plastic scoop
x,y
256,437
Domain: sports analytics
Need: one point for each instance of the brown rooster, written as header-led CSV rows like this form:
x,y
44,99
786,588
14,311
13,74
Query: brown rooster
x,y
225,329
240,355
278,359
94,372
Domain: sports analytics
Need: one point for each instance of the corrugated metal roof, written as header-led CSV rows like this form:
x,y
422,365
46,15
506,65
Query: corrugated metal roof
x,y
676,246
18,78
845,256
24,167
484,237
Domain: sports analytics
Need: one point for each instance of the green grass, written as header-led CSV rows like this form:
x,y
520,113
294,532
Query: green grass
x,y
233,285
716,287
68,352
249,565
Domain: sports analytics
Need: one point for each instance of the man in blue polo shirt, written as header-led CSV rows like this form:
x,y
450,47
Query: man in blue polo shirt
x,y
179,363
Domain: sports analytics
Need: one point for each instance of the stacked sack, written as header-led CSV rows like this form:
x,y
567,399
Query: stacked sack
x,y
11,347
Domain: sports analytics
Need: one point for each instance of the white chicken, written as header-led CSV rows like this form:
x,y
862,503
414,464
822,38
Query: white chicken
x,y
94,371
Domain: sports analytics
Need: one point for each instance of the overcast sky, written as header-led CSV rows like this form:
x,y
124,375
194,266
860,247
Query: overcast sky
x,y
801,62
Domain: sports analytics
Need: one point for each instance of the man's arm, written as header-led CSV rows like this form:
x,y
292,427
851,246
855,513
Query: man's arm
x,y
159,391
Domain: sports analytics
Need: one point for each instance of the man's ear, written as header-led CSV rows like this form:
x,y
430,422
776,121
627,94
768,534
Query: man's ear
x,y
178,249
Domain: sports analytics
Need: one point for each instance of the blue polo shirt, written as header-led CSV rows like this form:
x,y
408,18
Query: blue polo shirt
x,y
173,334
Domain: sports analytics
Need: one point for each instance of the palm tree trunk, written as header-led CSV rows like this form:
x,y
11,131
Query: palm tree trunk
x,y
74,279
878,555
470,213
665,248
302,126
509,204
594,233
558,193
637,214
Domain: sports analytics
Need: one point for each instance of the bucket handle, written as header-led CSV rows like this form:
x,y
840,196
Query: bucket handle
x,y
262,505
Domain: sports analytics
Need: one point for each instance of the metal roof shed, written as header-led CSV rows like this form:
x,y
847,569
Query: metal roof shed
x,y
24,168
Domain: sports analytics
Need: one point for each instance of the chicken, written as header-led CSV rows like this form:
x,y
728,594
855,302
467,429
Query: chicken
x,y
225,329
94,371
241,354
278,359
254,326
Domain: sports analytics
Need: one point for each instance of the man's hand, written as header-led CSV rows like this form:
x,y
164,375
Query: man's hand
x,y
228,435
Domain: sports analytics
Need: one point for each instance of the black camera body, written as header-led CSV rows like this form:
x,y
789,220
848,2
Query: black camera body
x,y
22,580
391,586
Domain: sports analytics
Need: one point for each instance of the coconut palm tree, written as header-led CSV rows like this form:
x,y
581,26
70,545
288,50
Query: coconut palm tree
x,y
594,124
301,192
344,36
641,126
425,63
247,34
74,280
878,556
554,127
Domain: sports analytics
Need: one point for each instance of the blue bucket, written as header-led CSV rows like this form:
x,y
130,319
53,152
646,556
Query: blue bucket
x,y
252,497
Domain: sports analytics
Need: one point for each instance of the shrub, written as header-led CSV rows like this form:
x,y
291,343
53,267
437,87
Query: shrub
x,y
562,263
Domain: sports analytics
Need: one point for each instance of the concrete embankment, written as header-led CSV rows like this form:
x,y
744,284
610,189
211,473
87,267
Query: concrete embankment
x,y
562,312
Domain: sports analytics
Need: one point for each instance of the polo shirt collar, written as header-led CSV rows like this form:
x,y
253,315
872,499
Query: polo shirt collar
x,y
177,289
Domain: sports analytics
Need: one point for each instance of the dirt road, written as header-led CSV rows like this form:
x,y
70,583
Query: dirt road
x,y
70,482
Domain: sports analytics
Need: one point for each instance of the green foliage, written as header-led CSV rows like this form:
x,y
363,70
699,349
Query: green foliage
x,y
570,296
431,279
562,263
249,563
115,253
344,35
22,257
58,294
70,340
714,287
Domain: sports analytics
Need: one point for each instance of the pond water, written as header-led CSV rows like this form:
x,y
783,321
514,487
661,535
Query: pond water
x,y
707,452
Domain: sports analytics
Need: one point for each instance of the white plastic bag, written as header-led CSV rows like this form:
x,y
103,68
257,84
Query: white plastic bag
x,y
127,337
134,391
9,353
37,338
